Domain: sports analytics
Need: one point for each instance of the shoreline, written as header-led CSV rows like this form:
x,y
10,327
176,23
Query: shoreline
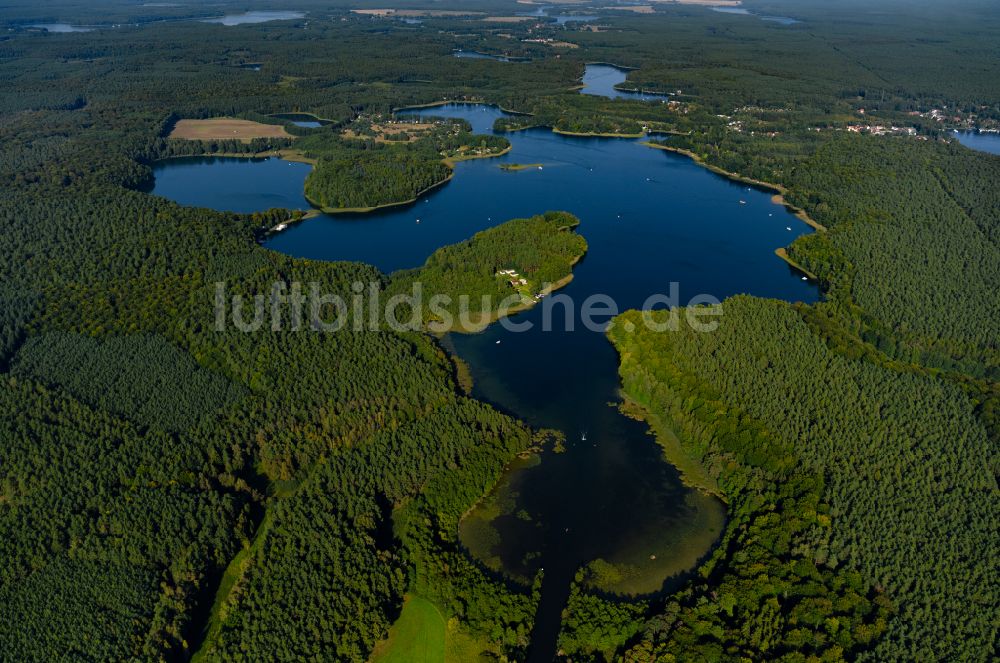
x,y
445,102
485,321
692,472
268,154
286,153
598,134
491,56
312,115
562,132
364,210
778,198
640,91
782,253
612,64
451,161
517,167
296,156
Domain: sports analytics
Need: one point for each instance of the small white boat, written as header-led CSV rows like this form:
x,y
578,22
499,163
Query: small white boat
x,y
498,342
804,278
788,228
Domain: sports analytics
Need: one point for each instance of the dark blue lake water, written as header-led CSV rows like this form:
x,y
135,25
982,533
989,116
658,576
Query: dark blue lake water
x,y
650,218
232,184
982,141
600,80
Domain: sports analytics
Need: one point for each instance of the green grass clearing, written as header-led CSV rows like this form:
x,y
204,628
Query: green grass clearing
x,y
418,636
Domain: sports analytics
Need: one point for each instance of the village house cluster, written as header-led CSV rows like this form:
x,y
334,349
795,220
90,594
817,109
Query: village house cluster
x,y
881,130
517,282
513,277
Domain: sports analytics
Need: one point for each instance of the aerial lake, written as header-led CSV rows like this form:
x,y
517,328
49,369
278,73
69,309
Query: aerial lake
x,y
600,80
780,20
563,19
234,184
305,120
983,141
255,17
652,219
61,27
476,55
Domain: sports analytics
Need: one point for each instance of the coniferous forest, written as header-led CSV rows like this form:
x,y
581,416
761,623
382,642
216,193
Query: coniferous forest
x,y
172,491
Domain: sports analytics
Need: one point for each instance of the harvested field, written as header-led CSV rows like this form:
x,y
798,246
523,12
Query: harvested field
x,y
220,128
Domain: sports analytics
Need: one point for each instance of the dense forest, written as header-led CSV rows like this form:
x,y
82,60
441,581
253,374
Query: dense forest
x,y
364,173
173,491
848,497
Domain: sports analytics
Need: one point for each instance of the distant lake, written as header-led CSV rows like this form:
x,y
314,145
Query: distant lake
x,y
563,19
61,27
781,20
981,141
255,17
540,11
476,55
651,218
305,120
741,11
600,80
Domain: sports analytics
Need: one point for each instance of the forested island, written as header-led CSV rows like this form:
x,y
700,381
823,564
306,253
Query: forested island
x,y
499,271
172,491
